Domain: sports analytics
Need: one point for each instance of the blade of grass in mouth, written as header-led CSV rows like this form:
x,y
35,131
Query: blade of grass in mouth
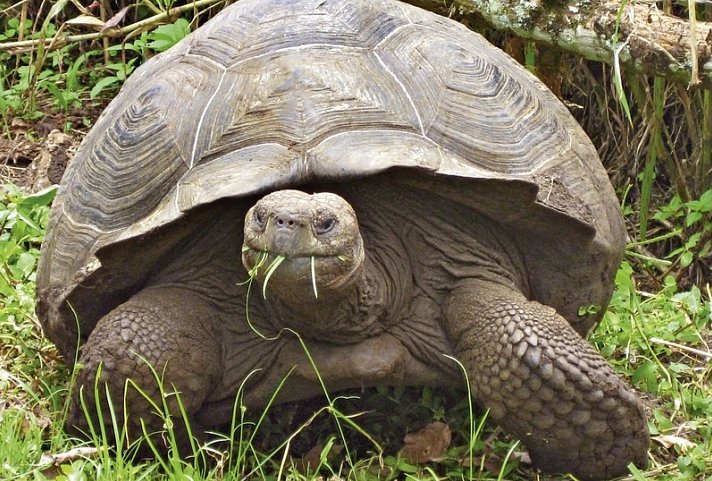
x,y
270,270
313,276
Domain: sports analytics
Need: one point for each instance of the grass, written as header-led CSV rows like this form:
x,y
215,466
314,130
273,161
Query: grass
x,y
658,340
656,332
48,61
271,268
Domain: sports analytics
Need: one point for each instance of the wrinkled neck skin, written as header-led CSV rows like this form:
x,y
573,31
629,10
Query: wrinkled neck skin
x,y
360,306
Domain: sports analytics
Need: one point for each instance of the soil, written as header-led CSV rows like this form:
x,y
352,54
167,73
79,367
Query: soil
x,y
34,155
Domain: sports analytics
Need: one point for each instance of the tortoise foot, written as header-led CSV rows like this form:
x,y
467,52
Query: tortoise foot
x,y
152,357
545,384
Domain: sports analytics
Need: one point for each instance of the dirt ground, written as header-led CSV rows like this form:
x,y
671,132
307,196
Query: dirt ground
x,y
35,154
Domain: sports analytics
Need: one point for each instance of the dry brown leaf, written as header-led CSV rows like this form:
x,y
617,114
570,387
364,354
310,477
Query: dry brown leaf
x,y
115,20
427,444
86,20
668,441
312,458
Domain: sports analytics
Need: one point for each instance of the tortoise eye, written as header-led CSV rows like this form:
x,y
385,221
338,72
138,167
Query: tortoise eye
x,y
325,225
259,217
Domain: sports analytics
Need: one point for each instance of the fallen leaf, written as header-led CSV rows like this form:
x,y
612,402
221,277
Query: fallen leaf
x,y
115,20
86,20
311,460
18,122
426,444
668,441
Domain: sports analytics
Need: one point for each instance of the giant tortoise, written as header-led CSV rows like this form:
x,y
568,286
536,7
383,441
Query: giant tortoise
x,y
427,197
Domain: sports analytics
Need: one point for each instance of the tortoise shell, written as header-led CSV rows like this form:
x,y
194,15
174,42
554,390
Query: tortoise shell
x,y
283,93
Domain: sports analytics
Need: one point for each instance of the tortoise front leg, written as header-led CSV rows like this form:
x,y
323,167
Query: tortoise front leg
x,y
544,383
160,334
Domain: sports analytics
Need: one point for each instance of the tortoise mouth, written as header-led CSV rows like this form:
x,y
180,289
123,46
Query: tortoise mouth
x,y
306,273
261,257
295,266
270,255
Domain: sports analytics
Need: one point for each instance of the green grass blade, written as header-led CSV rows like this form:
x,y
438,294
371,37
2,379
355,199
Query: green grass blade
x,y
474,432
505,462
656,142
313,276
270,270
704,175
617,77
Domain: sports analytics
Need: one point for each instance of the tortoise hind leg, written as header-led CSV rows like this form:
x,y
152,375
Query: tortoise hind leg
x,y
166,334
544,383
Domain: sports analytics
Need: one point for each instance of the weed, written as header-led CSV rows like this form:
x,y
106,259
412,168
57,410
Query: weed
x,y
650,338
52,70
475,428
28,399
660,341
694,227
270,270
22,221
617,78
165,36
654,149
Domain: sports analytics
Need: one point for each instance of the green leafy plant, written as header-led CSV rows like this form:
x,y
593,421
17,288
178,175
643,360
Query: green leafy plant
x,y
51,68
158,40
115,73
660,341
693,221
22,219
165,36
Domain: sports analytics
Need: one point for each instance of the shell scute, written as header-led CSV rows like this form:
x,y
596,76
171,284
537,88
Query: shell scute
x,y
277,26
278,93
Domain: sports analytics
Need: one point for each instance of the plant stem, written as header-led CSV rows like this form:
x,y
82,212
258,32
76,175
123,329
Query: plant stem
x,y
705,165
653,150
59,40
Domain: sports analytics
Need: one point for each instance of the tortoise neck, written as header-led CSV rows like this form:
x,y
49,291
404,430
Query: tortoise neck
x,y
346,315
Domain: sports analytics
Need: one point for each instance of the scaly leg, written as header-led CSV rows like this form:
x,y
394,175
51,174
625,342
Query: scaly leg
x,y
544,383
167,334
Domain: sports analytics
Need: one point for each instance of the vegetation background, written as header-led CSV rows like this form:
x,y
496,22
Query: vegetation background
x,y
61,61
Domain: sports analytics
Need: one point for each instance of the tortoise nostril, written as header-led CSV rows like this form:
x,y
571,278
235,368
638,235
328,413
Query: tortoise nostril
x,y
287,221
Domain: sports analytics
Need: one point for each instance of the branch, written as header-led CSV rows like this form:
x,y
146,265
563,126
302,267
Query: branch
x,y
61,39
649,41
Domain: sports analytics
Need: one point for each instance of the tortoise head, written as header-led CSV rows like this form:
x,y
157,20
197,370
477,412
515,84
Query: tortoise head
x,y
315,237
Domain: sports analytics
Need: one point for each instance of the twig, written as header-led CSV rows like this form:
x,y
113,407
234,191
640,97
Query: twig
x,y
68,456
588,32
59,41
694,70
692,350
